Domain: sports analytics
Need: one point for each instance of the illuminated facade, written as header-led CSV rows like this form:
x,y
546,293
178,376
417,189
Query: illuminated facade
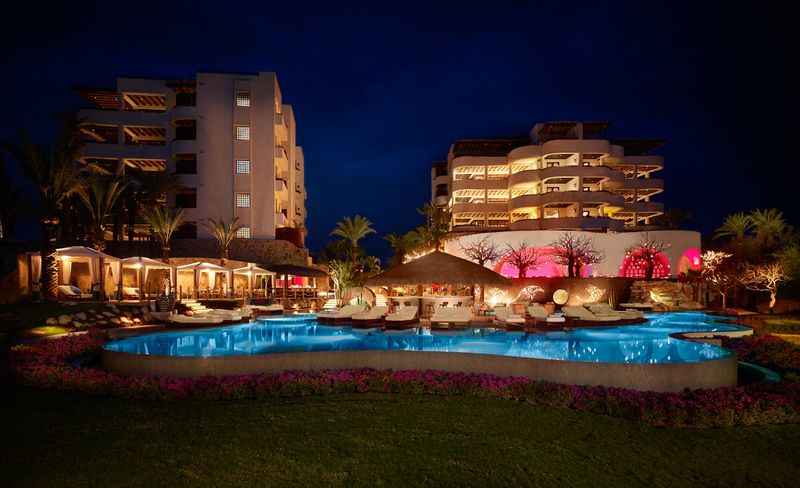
x,y
564,176
681,255
229,138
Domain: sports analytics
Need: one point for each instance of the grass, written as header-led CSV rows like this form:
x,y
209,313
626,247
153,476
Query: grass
x,y
20,317
58,439
785,325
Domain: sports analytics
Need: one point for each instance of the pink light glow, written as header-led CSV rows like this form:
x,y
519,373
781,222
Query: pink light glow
x,y
635,266
547,267
690,261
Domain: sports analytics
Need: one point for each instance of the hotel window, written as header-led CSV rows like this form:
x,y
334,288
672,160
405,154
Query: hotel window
x,y
186,198
242,166
243,99
242,132
243,233
243,200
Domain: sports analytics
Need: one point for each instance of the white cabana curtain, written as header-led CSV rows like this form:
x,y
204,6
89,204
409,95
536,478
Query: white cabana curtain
x,y
36,268
94,273
66,271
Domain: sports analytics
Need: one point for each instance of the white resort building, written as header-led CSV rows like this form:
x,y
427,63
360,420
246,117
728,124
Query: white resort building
x,y
229,138
564,177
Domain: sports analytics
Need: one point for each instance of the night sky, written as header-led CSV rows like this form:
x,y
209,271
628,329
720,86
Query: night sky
x,y
381,92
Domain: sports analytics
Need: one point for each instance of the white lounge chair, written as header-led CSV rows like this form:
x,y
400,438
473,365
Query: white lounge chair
x,y
604,309
203,319
504,316
405,315
342,314
371,316
537,312
581,313
451,315
71,292
130,293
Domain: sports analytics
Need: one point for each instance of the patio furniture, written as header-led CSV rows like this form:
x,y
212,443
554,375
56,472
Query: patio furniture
x,y
71,292
340,315
374,315
405,315
504,316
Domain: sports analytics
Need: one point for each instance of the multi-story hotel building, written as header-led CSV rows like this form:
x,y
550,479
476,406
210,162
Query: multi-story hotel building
x,y
229,138
565,176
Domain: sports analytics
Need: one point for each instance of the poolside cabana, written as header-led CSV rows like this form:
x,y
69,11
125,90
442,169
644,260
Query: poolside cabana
x,y
141,276
297,281
203,280
252,280
93,272
437,277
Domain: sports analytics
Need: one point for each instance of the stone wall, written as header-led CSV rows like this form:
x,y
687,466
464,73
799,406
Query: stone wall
x,y
664,295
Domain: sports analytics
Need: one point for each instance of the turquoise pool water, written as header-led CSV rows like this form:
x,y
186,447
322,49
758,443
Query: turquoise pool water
x,y
647,343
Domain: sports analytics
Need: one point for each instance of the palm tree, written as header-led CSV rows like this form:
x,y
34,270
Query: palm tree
x,y
100,196
735,226
54,173
353,230
164,223
768,226
224,233
437,224
402,245
147,189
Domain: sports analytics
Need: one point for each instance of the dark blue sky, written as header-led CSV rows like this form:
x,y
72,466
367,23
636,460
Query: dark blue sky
x,y
380,92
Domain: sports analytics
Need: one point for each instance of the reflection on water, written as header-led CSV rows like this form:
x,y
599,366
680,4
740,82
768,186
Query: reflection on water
x,y
646,343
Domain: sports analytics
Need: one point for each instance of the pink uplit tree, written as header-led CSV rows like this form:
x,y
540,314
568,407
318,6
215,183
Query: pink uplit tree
x,y
646,260
483,251
522,257
575,252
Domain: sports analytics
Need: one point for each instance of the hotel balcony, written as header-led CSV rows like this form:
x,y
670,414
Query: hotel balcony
x,y
479,207
643,207
479,184
644,184
121,117
583,223
280,153
132,151
541,199
281,130
574,171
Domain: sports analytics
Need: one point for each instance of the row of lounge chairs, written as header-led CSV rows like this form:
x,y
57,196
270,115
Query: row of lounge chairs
x,y
202,315
595,313
359,315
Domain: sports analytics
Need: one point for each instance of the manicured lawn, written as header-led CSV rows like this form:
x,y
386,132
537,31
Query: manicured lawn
x,y
787,325
57,439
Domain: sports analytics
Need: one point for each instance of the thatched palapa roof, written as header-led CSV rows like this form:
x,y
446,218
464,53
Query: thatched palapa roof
x,y
441,268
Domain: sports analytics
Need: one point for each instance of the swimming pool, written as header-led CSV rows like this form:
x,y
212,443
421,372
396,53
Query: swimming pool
x,y
647,343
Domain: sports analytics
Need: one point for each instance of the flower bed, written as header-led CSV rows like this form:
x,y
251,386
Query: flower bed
x,y
59,364
769,351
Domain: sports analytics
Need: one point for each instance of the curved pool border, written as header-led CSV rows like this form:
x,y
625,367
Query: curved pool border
x,y
668,377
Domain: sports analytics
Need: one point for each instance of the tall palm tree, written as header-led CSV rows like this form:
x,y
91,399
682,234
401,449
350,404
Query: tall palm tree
x,y
736,226
164,223
224,233
100,196
146,189
437,225
54,173
400,244
353,230
768,226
